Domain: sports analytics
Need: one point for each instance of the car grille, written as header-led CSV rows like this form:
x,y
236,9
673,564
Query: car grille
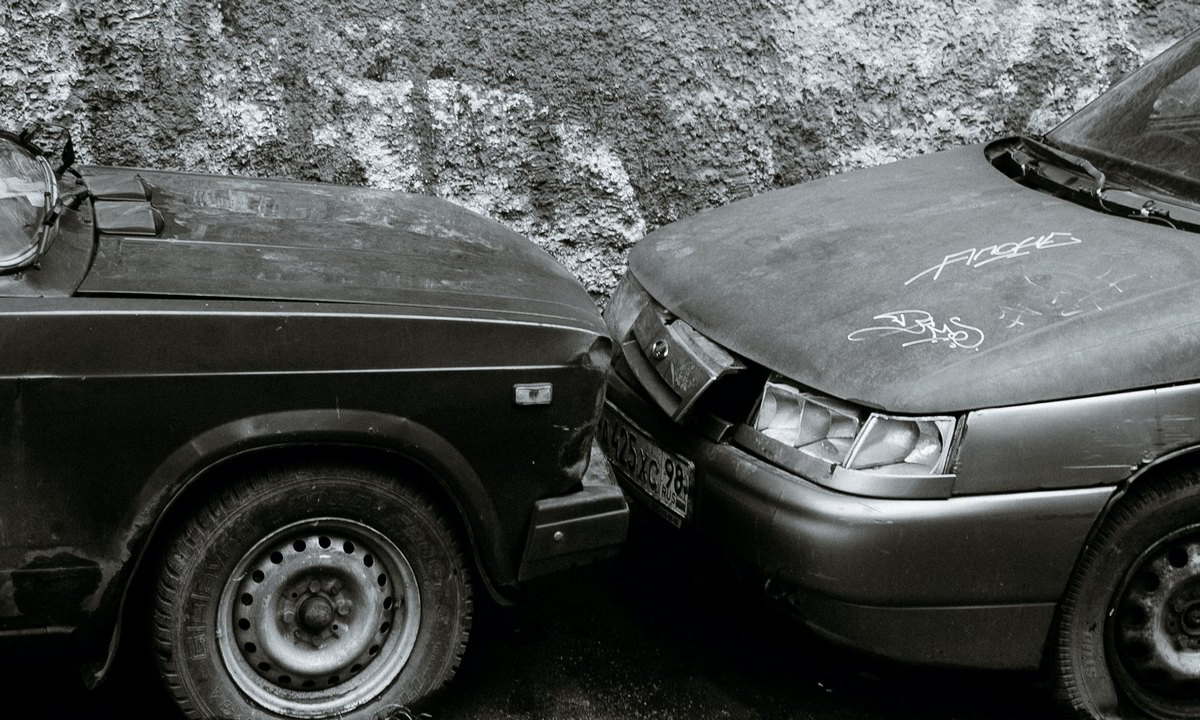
x,y
673,362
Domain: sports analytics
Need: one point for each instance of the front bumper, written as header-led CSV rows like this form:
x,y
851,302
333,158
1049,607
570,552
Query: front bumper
x,y
969,581
589,524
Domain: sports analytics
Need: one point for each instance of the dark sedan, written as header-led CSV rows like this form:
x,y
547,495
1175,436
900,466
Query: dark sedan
x,y
283,433
947,410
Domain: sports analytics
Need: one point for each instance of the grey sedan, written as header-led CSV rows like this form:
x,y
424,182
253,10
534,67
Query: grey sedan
x,y
947,410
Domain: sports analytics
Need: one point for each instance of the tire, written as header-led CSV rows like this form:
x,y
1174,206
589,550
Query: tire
x,y
1128,636
311,592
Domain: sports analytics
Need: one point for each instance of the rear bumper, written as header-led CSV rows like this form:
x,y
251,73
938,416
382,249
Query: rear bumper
x,y
965,581
589,524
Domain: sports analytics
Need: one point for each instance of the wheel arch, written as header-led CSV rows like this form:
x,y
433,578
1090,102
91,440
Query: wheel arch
x,y
1162,466
384,442
1165,464
1070,657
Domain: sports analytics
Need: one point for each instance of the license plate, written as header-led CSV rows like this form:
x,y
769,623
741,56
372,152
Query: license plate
x,y
664,476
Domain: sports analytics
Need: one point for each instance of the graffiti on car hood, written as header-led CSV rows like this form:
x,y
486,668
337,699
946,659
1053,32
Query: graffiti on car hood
x,y
935,284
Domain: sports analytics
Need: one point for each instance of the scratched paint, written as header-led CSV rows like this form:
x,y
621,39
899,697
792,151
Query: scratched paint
x,y
1046,298
55,588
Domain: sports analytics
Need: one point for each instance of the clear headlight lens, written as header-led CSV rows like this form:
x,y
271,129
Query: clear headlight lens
x,y
841,433
816,425
903,445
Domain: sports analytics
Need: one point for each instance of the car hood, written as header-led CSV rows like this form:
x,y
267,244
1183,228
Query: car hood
x,y
935,284
225,237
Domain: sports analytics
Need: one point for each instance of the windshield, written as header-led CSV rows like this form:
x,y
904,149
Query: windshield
x,y
27,189
1145,131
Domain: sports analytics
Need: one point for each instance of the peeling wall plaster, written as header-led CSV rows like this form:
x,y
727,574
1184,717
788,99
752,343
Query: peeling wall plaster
x,y
579,123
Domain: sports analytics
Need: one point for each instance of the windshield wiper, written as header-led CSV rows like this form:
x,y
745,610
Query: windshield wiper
x,y
1044,151
1046,165
51,209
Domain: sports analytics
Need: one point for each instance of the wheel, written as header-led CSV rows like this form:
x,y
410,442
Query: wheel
x,y
311,593
1128,639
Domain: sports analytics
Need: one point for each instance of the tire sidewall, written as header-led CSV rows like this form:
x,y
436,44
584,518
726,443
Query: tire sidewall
x,y
221,545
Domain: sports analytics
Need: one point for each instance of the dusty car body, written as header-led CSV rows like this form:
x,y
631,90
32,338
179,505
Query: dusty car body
x,y
947,409
216,390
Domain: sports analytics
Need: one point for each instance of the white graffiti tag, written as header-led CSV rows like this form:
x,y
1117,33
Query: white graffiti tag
x,y
923,328
978,257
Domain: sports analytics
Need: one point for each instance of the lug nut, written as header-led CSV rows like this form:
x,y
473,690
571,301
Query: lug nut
x,y
344,606
289,616
314,586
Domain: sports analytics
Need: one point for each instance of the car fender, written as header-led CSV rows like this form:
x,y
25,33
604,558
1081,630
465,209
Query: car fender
x,y
1145,473
193,462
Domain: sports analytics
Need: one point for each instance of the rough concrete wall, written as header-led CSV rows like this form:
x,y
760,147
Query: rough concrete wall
x,y
580,123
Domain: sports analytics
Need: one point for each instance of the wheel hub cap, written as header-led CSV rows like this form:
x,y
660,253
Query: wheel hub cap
x,y
316,614
1190,620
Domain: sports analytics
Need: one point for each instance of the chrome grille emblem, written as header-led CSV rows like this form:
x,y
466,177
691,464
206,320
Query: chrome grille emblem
x,y
674,362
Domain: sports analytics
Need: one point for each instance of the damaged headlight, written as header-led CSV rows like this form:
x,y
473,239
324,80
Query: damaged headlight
x,y
903,445
840,433
813,424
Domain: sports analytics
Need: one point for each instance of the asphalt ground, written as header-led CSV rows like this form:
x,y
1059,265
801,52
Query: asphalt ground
x,y
662,631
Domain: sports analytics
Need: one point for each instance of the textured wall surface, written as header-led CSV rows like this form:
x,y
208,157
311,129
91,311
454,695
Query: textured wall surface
x,y
580,123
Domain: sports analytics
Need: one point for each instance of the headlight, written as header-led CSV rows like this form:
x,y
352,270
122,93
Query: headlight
x,y
624,306
840,433
903,445
818,426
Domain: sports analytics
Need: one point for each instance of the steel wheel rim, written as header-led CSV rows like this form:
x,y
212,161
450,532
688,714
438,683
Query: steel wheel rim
x,y
1154,628
318,618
